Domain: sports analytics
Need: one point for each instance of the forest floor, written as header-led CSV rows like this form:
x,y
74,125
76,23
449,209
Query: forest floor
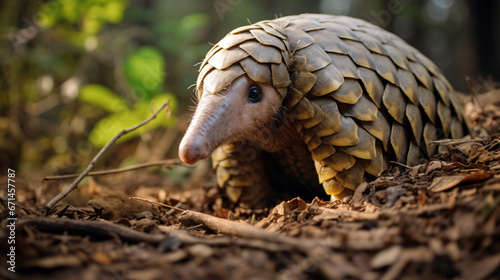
x,y
437,220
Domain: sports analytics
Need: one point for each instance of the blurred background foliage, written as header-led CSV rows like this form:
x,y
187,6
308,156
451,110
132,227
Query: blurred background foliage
x,y
75,72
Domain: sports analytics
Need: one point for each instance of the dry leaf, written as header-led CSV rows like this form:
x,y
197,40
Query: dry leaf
x,y
101,257
480,175
222,213
55,261
445,183
386,257
116,207
448,182
433,165
480,269
297,203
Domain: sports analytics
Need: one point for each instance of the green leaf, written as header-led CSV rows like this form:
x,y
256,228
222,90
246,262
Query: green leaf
x,y
106,128
102,97
48,15
113,11
91,25
145,109
193,21
145,72
71,11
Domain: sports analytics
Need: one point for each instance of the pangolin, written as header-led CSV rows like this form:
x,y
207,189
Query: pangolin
x,y
330,99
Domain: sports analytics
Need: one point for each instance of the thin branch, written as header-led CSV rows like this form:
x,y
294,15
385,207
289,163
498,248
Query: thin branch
x,y
75,183
455,141
242,230
186,238
98,229
356,215
400,164
473,91
157,203
167,162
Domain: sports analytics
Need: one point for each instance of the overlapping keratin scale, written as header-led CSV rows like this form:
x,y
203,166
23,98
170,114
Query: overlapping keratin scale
x,y
261,50
360,95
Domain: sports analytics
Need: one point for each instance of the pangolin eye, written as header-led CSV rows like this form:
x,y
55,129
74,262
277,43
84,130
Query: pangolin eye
x,y
254,94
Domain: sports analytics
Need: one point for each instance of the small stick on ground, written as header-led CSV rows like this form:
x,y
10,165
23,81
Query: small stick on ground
x,y
241,230
97,229
157,203
445,142
186,238
356,215
400,164
473,91
167,162
75,183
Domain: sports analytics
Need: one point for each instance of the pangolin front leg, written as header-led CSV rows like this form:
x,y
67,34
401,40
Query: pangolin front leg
x,y
240,171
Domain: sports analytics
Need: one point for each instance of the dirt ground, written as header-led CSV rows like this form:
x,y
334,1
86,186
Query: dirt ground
x,y
437,220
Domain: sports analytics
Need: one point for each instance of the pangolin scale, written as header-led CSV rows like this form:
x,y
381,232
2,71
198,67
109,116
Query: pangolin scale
x,y
333,99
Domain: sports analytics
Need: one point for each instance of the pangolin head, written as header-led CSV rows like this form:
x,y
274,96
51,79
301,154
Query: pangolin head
x,y
241,86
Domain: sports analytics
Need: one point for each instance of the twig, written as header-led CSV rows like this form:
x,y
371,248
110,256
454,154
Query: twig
x,y
74,185
427,209
167,162
157,203
400,164
356,215
242,230
473,91
455,141
188,239
97,229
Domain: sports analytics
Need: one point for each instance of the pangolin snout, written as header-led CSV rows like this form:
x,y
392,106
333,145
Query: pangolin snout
x,y
196,143
210,127
190,152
